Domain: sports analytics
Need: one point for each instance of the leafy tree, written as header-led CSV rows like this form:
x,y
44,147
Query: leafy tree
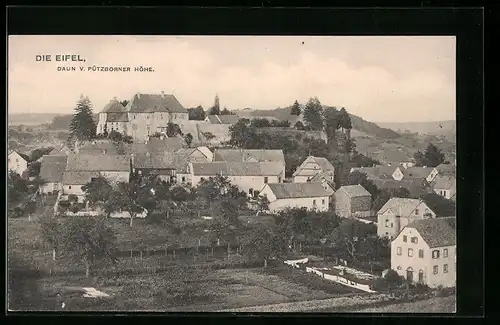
x,y
82,126
115,136
17,187
432,157
225,111
173,130
196,113
332,122
262,244
280,124
299,125
260,122
345,119
208,135
97,191
360,160
33,169
39,153
23,290
89,240
356,178
349,235
179,194
262,203
295,108
313,114
188,138
241,134
51,233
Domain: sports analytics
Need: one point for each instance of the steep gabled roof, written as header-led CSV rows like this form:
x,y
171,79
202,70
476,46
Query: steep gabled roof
x,y
438,232
244,155
149,103
114,106
154,160
299,190
237,168
78,177
354,190
323,163
223,119
97,163
440,205
401,206
22,155
417,172
446,169
444,182
52,168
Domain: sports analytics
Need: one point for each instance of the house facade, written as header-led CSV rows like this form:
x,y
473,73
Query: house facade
x,y
51,172
312,167
427,173
397,213
446,186
312,196
250,177
352,201
144,115
251,155
17,162
425,251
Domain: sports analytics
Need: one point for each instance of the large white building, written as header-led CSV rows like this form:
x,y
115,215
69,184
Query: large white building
x,y
144,115
17,162
425,252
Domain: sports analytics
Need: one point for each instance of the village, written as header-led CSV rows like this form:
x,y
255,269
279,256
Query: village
x,y
285,206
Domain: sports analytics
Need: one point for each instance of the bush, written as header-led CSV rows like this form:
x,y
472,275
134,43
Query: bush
x,y
72,198
444,292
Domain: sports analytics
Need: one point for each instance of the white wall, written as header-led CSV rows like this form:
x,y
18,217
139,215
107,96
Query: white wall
x,y
300,179
17,163
398,225
308,203
50,187
75,189
245,183
116,176
447,279
447,194
397,175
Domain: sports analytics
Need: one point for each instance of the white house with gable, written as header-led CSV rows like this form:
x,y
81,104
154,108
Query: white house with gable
x,y
312,196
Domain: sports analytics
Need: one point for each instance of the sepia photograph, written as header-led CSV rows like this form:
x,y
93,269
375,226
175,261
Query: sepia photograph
x,y
232,174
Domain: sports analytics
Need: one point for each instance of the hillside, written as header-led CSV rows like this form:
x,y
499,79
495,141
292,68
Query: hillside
x,y
358,123
31,119
62,122
437,128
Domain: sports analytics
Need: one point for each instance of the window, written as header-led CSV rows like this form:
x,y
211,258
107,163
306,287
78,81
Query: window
x,y
420,253
399,268
398,250
161,116
435,269
414,240
420,276
445,268
183,179
416,212
410,252
323,201
69,187
435,253
387,222
392,225
445,252
405,239
266,179
314,202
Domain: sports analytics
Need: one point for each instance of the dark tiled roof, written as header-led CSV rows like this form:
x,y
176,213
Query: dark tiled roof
x,y
154,160
155,144
299,190
78,177
438,232
440,205
417,172
223,119
149,103
238,168
354,190
379,171
103,162
444,182
103,147
114,106
52,168
243,155
416,186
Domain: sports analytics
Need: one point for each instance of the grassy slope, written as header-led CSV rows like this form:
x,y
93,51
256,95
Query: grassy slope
x,y
433,305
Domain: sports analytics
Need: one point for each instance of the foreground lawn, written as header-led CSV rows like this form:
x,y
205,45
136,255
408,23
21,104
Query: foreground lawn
x,y
434,305
181,289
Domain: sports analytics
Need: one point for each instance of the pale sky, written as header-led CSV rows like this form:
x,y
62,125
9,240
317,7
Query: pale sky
x,y
381,79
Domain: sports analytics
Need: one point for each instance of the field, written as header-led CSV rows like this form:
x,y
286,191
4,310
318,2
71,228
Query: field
x,y
433,305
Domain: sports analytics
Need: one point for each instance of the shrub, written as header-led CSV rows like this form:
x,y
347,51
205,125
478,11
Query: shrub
x,y
72,198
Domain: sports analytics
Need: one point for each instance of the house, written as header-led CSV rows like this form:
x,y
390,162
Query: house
x,y
155,163
106,147
250,177
81,168
18,162
427,173
51,172
381,172
250,155
314,167
144,115
183,157
397,213
62,150
161,144
211,134
425,251
222,119
446,186
440,205
353,201
312,196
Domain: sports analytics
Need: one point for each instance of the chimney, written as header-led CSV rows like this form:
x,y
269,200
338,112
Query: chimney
x,y
103,151
162,94
138,95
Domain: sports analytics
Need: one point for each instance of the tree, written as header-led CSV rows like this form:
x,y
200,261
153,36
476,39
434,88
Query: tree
x,y
51,233
262,203
313,114
360,160
115,136
17,187
345,119
33,169
23,290
349,235
82,126
215,110
173,130
332,123
260,122
262,244
432,157
39,153
225,111
295,108
208,135
196,113
299,125
97,191
188,138
356,178
89,240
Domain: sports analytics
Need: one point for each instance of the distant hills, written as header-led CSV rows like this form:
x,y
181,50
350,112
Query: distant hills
x,y
431,128
31,119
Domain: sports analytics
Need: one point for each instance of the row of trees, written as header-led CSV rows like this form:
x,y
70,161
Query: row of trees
x,y
431,157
